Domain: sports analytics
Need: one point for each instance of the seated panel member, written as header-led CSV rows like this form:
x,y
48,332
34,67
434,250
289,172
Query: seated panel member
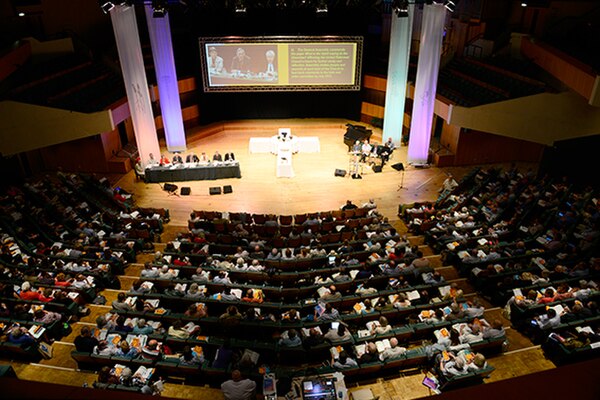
x,y
229,157
204,157
164,160
365,150
177,159
192,158
151,160
217,156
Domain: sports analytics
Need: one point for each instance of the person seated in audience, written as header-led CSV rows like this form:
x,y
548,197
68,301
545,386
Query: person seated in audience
x,y
151,351
194,292
331,294
232,313
80,282
370,355
46,296
349,206
46,317
217,156
345,248
314,338
433,278
201,275
382,328
166,273
401,301
493,330
290,316
475,309
287,255
470,333
141,305
341,276
361,290
238,388
120,305
323,280
197,310
474,363
149,272
190,358
253,314
222,278
103,349
226,295
575,313
121,325
253,296
164,160
126,351
106,376
27,293
257,253
290,338
329,314
142,328
85,342
548,297
178,331
454,292
368,307
344,361
550,320
341,334
181,261
393,352
255,266
438,316
456,312
274,254
20,335
454,366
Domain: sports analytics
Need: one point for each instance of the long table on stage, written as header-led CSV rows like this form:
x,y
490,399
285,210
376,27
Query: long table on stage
x,y
193,173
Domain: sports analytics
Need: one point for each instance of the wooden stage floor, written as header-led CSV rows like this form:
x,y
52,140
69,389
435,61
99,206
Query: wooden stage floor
x,y
314,186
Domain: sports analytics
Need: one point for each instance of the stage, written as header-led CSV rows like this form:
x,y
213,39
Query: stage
x,y
314,186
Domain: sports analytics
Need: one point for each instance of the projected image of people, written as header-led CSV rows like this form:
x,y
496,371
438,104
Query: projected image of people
x,y
270,69
215,62
241,63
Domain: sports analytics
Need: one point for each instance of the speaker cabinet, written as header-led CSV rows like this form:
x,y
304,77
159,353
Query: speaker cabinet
x,y
169,187
186,190
227,189
340,172
214,190
377,168
398,167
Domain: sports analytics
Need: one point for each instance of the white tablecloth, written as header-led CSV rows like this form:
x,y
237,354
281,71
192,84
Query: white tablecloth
x,y
305,144
284,163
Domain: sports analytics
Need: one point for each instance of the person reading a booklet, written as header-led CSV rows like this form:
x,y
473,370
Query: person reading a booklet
x,y
370,355
338,334
344,361
394,351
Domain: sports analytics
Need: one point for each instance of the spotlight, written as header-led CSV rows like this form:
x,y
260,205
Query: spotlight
x,y
240,7
322,8
106,6
21,14
160,8
450,5
523,4
400,7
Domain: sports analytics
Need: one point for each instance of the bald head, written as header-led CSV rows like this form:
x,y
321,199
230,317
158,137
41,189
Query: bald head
x,y
393,342
236,375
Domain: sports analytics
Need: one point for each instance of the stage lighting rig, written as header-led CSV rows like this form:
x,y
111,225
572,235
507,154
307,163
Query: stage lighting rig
x,y
400,7
450,5
240,7
159,8
322,8
106,6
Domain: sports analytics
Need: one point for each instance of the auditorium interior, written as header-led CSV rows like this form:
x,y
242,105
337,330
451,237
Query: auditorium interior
x,y
356,271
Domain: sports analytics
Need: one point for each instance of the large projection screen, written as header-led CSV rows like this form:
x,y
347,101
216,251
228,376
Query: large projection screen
x,y
281,63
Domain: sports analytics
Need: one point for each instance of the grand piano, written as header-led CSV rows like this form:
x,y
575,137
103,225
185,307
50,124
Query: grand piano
x,y
354,133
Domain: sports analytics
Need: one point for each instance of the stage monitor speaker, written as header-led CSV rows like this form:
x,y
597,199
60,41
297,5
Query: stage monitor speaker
x,y
227,189
356,176
214,190
340,172
398,167
377,168
169,187
186,190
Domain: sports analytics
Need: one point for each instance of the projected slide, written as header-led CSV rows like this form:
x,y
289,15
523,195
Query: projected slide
x,y
281,63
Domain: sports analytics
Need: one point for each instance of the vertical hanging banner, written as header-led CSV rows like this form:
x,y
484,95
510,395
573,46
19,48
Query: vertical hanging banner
x,y
432,32
134,77
395,93
159,30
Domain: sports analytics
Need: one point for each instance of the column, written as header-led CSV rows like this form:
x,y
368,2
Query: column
x,y
432,32
159,30
134,77
395,92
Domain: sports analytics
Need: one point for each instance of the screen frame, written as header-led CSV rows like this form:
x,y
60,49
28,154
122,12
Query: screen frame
x,y
204,40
